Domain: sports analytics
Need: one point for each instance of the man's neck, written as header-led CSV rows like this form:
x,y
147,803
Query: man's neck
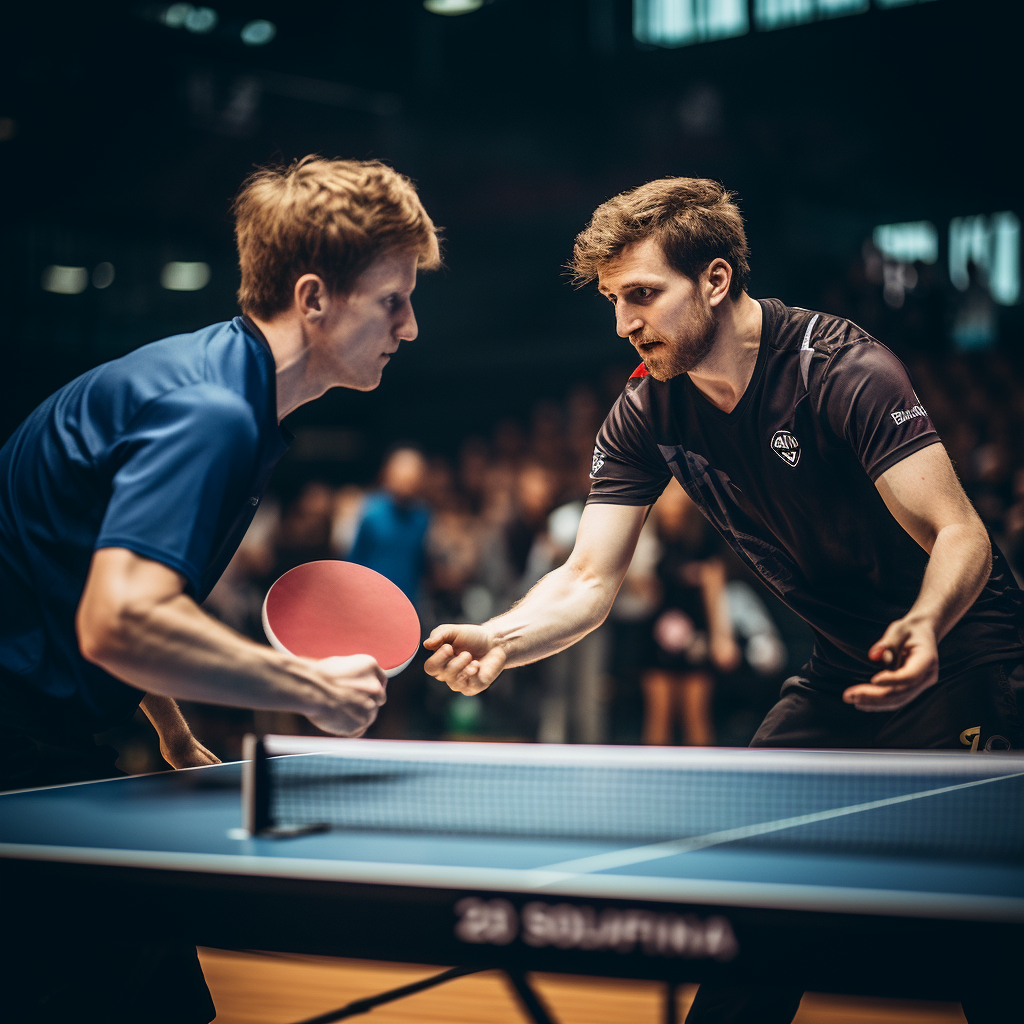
x,y
725,373
297,379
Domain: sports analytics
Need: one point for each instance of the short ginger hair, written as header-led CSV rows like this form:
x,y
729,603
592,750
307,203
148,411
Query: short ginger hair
x,y
695,220
332,218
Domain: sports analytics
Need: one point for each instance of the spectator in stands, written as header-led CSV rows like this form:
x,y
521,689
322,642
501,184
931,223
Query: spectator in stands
x,y
394,524
692,636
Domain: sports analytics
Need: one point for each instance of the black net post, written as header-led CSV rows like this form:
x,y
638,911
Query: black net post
x,y
256,817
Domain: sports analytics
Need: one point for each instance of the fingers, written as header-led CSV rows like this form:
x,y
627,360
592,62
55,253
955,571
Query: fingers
x,y
462,672
440,635
881,698
917,666
888,691
358,672
889,647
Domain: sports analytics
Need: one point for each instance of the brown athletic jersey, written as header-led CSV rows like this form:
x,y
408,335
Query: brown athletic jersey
x,y
788,477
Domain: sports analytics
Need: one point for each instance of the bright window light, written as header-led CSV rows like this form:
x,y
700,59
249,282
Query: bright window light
x,y
103,275
65,280
451,7
769,14
681,22
258,33
185,277
993,245
908,243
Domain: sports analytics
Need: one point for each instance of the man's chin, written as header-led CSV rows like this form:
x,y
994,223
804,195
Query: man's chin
x,y
659,371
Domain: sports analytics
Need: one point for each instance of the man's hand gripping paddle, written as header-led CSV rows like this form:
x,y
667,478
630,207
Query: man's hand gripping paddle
x,y
331,608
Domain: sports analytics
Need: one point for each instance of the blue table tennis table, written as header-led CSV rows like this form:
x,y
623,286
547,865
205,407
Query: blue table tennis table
x,y
882,873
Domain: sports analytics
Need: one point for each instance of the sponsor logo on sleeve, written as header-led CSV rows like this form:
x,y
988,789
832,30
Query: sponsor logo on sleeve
x,y
901,416
598,462
786,446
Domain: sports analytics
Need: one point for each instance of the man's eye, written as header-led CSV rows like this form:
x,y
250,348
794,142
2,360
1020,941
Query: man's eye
x,y
644,293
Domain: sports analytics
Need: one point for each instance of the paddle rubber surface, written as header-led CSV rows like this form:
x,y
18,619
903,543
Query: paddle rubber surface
x,y
328,608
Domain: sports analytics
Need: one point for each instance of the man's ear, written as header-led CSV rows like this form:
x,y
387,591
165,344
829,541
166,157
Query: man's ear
x,y
718,278
310,296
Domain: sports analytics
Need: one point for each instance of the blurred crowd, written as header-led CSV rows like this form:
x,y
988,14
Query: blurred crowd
x,y
694,649
467,537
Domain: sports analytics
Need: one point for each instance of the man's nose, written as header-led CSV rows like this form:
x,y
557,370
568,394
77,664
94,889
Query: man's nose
x,y
626,323
408,329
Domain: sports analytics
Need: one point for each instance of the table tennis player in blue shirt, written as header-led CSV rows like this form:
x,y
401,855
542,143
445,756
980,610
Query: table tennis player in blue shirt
x,y
124,495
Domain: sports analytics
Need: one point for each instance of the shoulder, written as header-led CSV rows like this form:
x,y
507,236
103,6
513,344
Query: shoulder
x,y
793,327
830,348
159,367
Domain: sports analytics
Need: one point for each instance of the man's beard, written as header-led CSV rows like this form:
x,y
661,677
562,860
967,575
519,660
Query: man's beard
x,y
683,352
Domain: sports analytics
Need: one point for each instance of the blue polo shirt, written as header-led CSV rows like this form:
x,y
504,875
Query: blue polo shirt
x,y
167,452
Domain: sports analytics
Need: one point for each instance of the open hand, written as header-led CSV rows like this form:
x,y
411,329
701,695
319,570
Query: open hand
x,y
465,657
910,650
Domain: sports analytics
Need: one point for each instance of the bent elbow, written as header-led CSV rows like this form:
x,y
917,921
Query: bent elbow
x,y
103,637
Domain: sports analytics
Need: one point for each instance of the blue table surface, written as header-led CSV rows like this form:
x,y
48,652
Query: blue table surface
x,y
192,818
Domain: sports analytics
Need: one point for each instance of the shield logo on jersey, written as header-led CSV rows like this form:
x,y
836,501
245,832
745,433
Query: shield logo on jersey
x,y
786,446
598,462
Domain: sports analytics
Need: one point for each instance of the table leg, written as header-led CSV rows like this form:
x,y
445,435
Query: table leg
x,y
671,1003
531,1002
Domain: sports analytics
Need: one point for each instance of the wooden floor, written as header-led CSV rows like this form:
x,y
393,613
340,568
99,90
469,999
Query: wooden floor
x,y
265,989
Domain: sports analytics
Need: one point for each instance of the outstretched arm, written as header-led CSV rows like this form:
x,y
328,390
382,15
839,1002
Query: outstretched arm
x,y
136,621
925,497
562,608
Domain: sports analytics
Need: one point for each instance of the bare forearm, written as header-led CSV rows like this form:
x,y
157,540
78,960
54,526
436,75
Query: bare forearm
x,y
177,650
563,607
959,566
165,716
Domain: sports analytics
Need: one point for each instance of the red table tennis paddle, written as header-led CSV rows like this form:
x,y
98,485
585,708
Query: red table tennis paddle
x,y
328,608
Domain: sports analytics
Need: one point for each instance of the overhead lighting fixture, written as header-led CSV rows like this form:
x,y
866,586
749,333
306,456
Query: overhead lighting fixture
x,y
258,33
103,275
451,7
185,277
175,15
908,242
65,280
194,19
201,20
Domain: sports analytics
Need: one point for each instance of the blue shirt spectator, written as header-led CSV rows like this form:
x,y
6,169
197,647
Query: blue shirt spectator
x,y
393,529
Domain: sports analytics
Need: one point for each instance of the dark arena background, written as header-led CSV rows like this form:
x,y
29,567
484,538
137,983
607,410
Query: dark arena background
x,y
870,144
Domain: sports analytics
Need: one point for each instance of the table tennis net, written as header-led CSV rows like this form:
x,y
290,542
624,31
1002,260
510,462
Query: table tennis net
x,y
860,812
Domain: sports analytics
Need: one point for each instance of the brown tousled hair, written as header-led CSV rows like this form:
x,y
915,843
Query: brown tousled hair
x,y
327,217
695,220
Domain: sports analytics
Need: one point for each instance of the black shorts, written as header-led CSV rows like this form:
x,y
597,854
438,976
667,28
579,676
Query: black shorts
x,y
974,710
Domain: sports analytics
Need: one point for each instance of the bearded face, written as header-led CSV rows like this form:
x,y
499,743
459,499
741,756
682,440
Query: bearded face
x,y
667,355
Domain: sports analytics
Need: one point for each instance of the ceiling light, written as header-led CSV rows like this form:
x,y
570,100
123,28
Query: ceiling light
x,y
201,20
65,280
453,6
103,275
258,33
185,277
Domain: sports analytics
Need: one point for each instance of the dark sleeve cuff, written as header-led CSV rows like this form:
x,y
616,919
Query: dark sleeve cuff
x,y
897,455
144,550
